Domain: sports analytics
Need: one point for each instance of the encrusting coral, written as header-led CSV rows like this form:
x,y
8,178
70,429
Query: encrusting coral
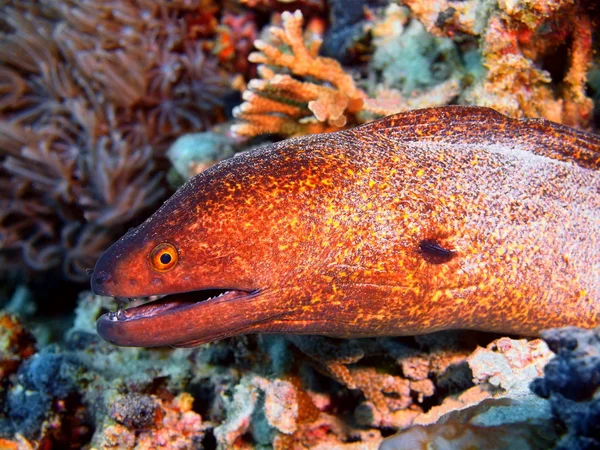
x,y
91,96
537,54
416,69
16,345
147,422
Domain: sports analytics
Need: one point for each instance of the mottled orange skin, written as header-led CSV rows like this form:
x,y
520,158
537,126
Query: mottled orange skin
x,y
326,229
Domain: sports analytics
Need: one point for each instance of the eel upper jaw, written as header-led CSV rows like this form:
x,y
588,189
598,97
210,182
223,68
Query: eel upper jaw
x,y
174,319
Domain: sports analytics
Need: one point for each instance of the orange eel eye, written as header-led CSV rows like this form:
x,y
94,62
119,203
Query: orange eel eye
x,y
163,257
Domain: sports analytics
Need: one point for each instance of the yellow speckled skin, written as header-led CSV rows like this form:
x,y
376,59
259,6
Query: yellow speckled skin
x,y
327,233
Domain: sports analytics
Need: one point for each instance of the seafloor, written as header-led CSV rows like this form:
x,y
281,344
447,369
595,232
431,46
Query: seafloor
x,y
106,107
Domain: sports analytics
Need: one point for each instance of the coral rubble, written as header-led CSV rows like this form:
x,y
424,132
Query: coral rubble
x,y
498,412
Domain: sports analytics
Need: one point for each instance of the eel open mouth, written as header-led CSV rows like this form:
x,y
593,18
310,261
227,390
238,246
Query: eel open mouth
x,y
177,319
171,303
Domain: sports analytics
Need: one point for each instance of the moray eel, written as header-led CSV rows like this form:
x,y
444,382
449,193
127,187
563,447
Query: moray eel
x,y
443,218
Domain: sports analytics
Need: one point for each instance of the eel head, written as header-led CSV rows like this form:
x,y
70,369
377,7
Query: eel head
x,y
197,256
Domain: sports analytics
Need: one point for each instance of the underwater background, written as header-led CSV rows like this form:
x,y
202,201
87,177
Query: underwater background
x,y
106,107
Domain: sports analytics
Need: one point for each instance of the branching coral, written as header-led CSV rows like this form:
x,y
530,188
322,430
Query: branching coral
x,y
283,103
90,97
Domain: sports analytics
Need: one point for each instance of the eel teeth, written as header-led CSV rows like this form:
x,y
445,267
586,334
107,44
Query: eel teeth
x,y
217,296
121,314
117,315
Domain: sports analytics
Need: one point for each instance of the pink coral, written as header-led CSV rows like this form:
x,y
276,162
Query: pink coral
x,y
174,425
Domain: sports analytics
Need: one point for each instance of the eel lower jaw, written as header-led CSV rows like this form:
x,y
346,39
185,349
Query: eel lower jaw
x,y
172,303
173,320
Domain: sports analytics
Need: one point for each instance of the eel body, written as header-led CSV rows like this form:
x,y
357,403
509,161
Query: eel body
x,y
444,218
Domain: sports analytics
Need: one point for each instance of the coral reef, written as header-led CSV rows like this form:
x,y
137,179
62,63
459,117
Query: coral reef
x,y
413,68
264,391
91,98
537,54
106,106
571,381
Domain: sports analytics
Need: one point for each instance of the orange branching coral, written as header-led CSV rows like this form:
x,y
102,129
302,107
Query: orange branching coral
x,y
519,39
91,94
282,103
299,92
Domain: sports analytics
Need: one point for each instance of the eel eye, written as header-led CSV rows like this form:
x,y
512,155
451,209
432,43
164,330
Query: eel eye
x,y
163,257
